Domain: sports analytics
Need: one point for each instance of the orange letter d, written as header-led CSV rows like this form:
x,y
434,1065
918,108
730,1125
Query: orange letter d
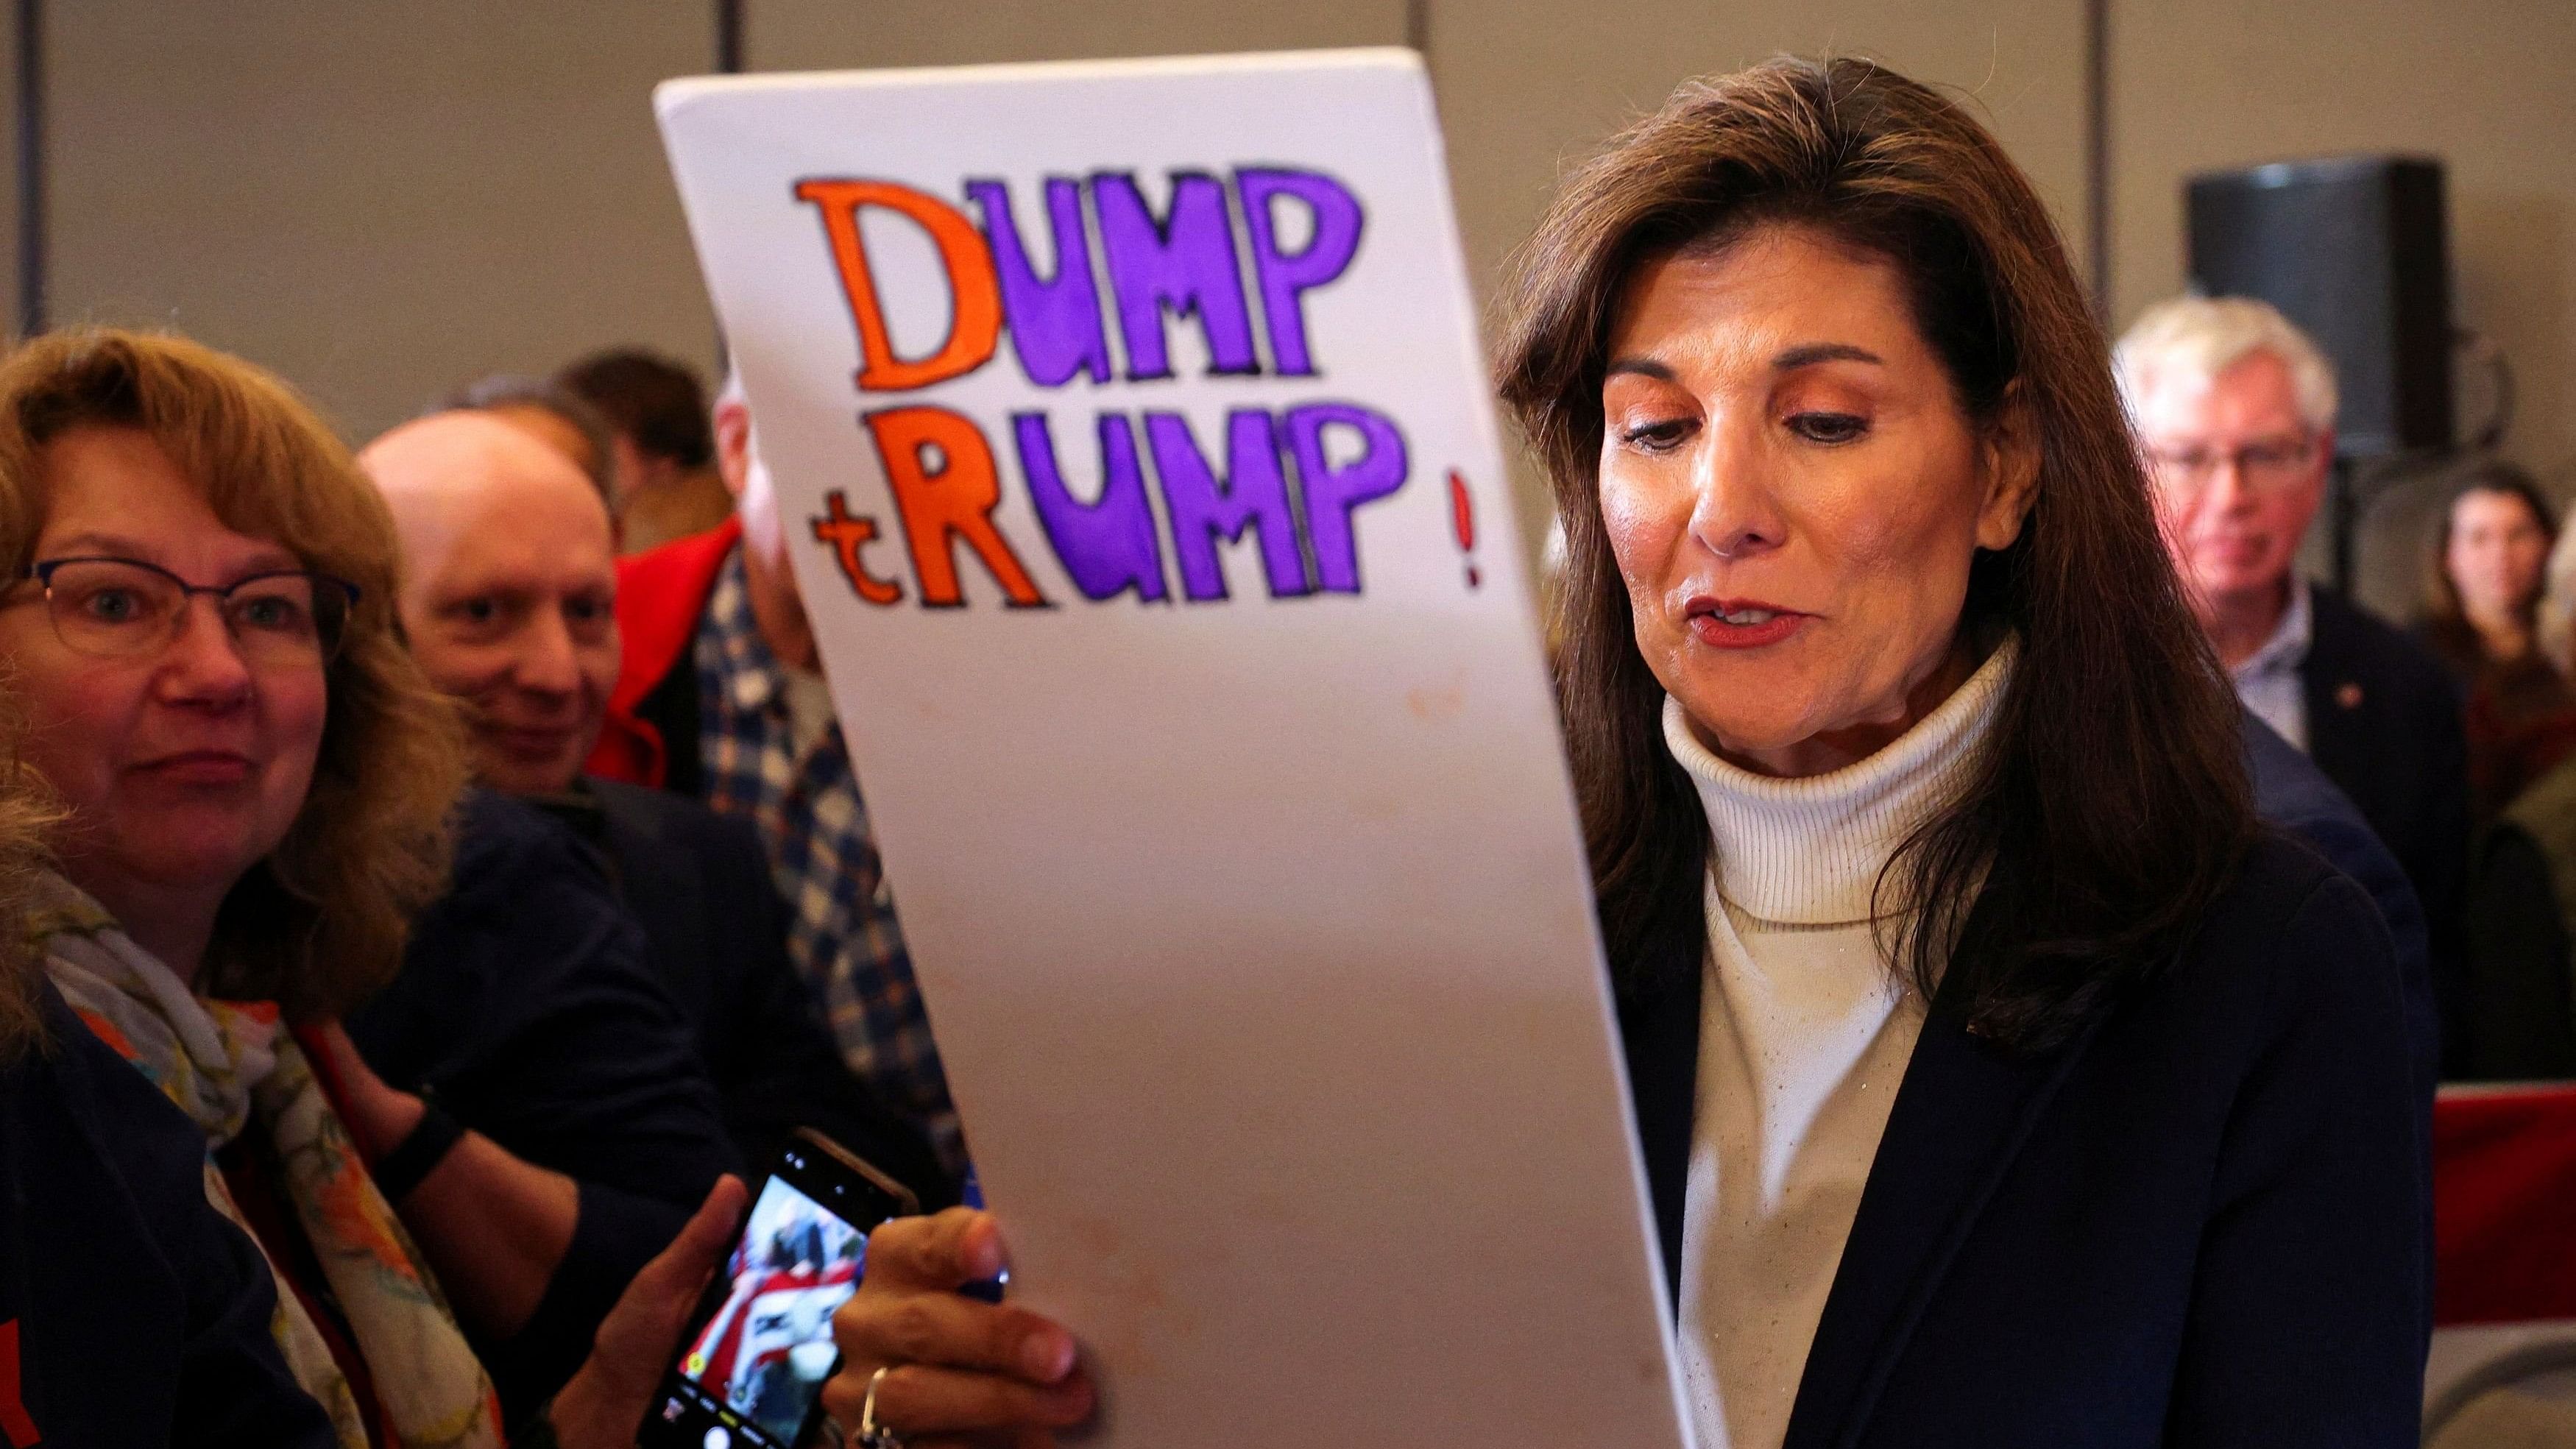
x,y
976,324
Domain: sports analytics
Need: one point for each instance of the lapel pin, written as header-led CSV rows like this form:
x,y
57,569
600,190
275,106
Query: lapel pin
x,y
2348,694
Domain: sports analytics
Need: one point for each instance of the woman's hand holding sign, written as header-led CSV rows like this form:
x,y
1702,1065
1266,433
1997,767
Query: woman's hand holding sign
x,y
955,1371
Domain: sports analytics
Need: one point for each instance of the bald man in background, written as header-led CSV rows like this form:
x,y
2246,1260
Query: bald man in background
x,y
509,602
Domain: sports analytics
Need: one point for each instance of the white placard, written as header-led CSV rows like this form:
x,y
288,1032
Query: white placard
x,y
1173,613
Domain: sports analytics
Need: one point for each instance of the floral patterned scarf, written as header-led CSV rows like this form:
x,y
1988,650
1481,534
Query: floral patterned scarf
x,y
229,1067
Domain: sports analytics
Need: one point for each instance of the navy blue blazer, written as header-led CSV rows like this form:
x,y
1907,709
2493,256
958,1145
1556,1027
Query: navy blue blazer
x,y
699,882
2200,1222
2292,793
528,1006
131,1312
2384,724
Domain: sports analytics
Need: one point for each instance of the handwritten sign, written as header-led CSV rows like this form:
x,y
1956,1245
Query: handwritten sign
x,y
1131,442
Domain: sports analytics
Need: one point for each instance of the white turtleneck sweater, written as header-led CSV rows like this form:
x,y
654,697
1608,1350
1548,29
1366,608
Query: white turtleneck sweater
x,y
1805,1031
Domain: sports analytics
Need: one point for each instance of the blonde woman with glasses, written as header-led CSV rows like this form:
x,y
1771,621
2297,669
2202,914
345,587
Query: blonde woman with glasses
x,y
132,1311
258,786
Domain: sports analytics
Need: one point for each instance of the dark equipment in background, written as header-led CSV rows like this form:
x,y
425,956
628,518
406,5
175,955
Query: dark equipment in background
x,y
2356,251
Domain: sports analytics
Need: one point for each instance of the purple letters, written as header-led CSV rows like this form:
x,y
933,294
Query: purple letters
x,y
1283,277
1106,547
1055,324
1254,494
1184,262
1294,478
1332,494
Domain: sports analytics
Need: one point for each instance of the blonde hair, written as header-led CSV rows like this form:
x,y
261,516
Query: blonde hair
x,y
27,811
320,924
2201,337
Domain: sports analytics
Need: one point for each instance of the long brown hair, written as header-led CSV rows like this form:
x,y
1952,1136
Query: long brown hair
x,y
320,924
2112,806
2443,611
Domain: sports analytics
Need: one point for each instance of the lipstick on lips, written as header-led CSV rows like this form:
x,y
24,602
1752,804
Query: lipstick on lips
x,y
1740,623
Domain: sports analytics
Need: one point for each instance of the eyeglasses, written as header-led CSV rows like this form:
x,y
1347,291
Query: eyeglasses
x,y
122,608
2273,465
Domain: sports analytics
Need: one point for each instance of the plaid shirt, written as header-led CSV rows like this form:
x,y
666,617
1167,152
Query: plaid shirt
x,y
841,930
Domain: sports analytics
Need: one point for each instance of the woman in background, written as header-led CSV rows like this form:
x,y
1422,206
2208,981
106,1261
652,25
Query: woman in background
x,y
1901,761
2482,590
134,1313
259,785
2521,998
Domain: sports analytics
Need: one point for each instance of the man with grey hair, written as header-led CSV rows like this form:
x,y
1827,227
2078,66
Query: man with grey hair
x,y
2235,410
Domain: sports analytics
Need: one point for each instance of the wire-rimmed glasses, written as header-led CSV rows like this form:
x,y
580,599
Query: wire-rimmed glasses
x,y
2266,465
122,608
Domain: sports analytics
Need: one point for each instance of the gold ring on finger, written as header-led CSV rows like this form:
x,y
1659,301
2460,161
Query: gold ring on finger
x,y
873,1435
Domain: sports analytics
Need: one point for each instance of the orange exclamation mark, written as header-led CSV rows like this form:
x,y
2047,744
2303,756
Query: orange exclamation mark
x,y
1462,521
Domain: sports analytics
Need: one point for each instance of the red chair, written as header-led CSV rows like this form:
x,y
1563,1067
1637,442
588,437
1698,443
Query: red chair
x,y
2504,1301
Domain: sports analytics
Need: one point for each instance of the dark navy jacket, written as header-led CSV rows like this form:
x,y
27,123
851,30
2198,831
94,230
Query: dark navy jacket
x,y
527,1008
2384,724
699,882
131,1312
2199,1223
2292,793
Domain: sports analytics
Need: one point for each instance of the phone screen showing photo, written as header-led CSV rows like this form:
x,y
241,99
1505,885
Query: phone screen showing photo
x,y
754,1366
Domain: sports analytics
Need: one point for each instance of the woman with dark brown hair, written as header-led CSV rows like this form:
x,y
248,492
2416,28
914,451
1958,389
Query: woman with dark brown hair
x,y
2482,576
2482,589
2518,1017
2000,1080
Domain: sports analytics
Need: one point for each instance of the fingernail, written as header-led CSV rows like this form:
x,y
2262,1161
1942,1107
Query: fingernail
x,y
1045,1356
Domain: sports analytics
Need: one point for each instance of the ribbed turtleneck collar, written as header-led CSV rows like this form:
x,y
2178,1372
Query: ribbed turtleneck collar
x,y
1809,851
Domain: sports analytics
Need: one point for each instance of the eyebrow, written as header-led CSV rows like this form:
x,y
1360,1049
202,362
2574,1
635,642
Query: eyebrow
x,y
1815,352
1640,366
1789,361
117,545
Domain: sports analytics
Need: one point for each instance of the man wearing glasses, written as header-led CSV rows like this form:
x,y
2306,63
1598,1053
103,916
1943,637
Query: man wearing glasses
x,y
2235,410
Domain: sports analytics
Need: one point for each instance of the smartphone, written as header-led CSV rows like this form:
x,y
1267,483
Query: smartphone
x,y
752,1365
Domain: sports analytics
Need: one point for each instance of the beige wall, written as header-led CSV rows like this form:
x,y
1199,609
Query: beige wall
x,y
834,34
1527,85
2487,85
379,200
382,199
